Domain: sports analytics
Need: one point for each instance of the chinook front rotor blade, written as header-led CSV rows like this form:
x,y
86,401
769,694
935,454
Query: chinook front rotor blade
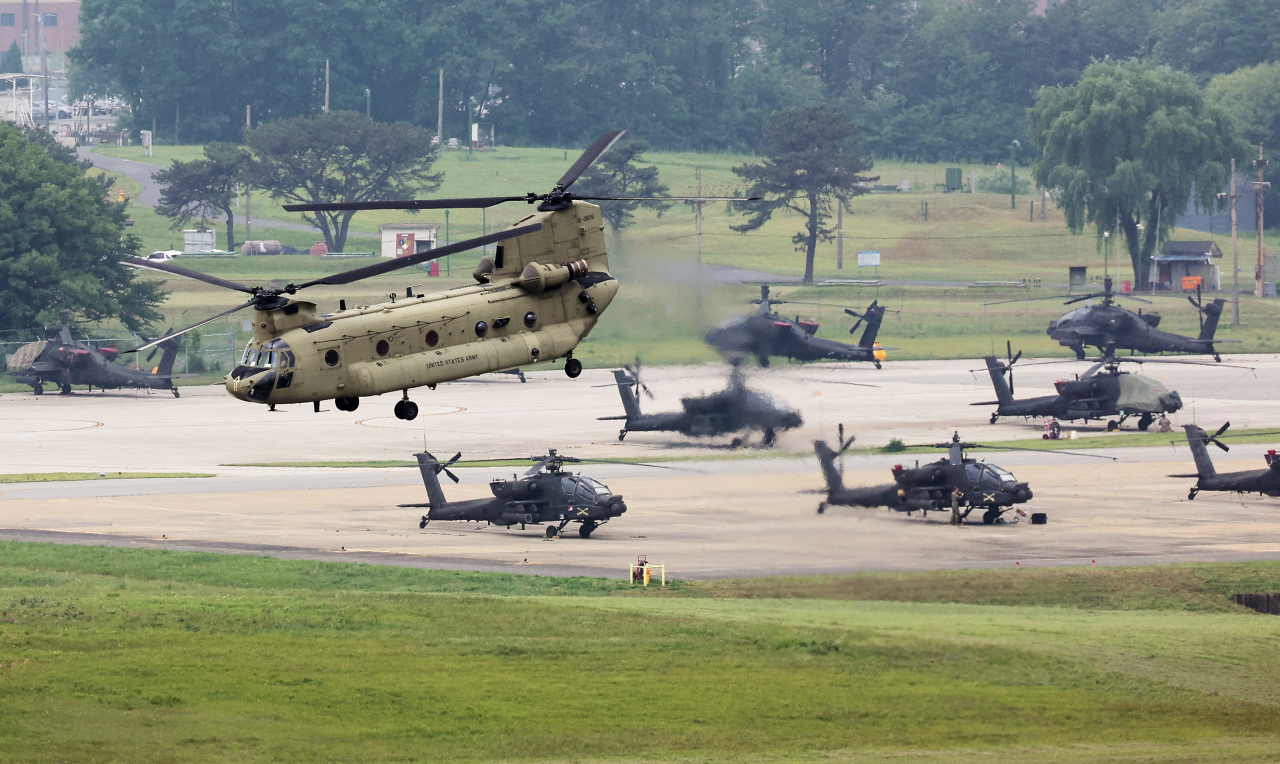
x,y
588,158
473,202
196,325
356,274
175,270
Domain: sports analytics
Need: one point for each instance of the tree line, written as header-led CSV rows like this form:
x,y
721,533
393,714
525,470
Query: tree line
x,y
929,80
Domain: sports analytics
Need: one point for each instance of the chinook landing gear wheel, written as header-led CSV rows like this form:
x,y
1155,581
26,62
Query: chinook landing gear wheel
x,y
552,532
587,527
572,368
406,410
990,516
1145,421
1113,425
346,404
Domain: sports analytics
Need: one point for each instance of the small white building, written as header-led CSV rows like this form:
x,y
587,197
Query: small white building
x,y
199,240
400,239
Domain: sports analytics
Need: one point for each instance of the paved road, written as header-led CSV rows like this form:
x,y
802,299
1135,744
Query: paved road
x,y
150,194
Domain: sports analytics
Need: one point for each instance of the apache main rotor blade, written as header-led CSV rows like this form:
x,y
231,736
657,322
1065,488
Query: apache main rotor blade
x,y
356,274
588,158
631,464
206,278
474,202
1042,451
197,325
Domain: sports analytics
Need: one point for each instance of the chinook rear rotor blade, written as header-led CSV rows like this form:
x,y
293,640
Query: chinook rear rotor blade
x,y
588,158
472,202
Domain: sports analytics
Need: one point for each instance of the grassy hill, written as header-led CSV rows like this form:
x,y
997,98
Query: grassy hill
x,y
113,654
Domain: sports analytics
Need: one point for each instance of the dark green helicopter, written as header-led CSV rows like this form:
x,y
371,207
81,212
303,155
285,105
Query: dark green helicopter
x,y
1110,327
929,487
545,494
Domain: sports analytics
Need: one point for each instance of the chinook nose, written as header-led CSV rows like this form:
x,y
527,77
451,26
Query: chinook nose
x,y
250,383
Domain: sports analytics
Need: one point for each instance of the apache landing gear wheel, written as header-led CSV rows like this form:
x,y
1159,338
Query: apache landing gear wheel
x,y
822,508
621,434
346,404
38,388
1079,352
66,390
877,363
174,390
552,532
994,417
585,530
1145,422
1113,425
769,438
990,516
572,368
1191,495
406,410
423,522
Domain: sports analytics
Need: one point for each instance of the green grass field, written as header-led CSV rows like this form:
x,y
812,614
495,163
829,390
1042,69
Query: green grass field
x,y
146,656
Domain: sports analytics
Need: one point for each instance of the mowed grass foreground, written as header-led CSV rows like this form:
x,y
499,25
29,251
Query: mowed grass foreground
x,y
140,656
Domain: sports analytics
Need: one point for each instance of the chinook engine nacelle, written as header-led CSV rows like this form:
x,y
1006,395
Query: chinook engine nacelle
x,y
539,277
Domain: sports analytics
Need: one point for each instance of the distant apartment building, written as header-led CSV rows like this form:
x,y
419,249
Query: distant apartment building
x,y
22,21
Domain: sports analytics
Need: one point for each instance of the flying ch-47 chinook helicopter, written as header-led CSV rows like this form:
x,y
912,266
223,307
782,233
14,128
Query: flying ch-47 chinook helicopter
x,y
929,487
534,300
733,409
64,362
1101,392
551,496
1266,482
766,333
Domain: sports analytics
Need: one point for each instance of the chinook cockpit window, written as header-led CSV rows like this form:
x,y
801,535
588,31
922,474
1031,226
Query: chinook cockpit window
x,y
266,359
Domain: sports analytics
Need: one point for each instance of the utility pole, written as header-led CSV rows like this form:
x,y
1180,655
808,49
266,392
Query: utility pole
x,y
1235,253
440,118
44,64
1260,192
326,86
368,104
697,216
839,234
1013,174
248,190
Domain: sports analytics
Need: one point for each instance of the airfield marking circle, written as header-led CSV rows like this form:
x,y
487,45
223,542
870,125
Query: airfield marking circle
x,y
391,423
21,426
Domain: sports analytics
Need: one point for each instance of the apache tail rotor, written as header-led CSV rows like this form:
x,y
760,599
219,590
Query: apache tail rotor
x,y
445,467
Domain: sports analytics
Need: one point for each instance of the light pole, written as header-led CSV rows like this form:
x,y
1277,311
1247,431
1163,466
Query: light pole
x,y
1013,174
1106,252
368,101
1260,191
1235,249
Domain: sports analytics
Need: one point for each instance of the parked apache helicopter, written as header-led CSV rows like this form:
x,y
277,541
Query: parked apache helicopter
x,y
765,333
534,300
1101,392
1266,482
1110,327
64,361
551,496
929,488
731,410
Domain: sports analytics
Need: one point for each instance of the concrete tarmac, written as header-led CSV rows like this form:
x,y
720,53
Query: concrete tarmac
x,y
721,513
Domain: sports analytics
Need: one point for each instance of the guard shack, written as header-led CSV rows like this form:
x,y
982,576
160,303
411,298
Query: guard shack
x,y
400,239
1183,262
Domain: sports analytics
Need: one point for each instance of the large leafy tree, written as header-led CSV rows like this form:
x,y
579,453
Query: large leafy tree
x,y
1124,147
807,168
202,187
618,174
841,41
340,156
61,243
1207,37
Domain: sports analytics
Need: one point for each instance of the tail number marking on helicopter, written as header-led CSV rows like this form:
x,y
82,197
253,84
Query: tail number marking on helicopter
x,y
448,361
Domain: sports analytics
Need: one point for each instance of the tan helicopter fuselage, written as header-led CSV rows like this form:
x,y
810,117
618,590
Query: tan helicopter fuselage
x,y
539,295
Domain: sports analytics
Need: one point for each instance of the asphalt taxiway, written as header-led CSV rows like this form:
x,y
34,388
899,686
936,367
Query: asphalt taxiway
x,y
721,513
